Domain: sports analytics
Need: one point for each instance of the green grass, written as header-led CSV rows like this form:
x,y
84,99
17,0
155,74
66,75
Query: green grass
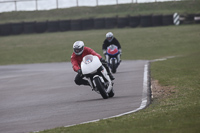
x,y
137,43
182,7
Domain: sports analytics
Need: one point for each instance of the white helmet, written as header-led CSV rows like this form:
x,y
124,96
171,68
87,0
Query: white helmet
x,y
78,47
109,36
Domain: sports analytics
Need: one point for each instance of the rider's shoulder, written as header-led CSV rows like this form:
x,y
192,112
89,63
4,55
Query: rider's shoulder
x,y
114,38
73,55
87,48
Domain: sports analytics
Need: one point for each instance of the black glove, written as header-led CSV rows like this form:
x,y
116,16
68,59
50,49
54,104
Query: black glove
x,y
79,72
103,61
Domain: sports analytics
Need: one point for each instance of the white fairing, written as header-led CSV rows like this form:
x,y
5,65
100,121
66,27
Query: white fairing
x,y
105,74
90,64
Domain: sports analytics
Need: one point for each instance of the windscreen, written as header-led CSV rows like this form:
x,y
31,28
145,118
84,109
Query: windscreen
x,y
88,59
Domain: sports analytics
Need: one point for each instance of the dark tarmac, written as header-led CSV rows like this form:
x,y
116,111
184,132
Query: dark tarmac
x,y
35,97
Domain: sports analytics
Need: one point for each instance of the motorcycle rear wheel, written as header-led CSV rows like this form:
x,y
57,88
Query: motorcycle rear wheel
x,y
101,88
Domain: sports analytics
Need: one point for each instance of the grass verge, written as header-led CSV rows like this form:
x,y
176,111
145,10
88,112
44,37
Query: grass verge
x,y
137,43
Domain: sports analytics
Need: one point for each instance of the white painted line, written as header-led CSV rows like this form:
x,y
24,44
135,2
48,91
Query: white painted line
x,y
162,59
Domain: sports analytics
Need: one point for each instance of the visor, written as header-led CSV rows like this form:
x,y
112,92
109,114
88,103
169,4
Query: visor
x,y
77,50
109,38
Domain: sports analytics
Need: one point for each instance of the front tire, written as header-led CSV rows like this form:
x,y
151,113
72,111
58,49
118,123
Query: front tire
x,y
113,66
111,93
101,88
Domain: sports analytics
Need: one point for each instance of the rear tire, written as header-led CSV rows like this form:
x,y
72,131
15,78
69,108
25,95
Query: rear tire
x,y
101,88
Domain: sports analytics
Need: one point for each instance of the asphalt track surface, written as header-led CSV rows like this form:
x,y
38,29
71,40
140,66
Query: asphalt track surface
x,y
35,97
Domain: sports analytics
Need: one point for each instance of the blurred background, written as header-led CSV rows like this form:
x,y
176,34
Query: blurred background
x,y
41,16
31,5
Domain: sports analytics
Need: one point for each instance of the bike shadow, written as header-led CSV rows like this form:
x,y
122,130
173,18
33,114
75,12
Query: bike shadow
x,y
101,99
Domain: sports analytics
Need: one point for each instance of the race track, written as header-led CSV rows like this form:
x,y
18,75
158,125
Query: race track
x,y
36,97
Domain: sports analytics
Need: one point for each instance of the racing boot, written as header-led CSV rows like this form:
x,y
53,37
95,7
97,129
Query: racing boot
x,y
105,64
110,75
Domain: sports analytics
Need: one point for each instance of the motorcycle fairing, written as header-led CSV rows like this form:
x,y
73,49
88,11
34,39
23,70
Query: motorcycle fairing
x,y
112,50
90,64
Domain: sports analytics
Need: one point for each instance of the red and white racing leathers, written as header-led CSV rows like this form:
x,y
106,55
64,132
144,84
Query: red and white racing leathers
x,y
76,59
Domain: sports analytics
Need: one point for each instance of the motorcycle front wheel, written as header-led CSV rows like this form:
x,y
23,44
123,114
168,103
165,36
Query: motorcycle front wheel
x,y
100,88
113,66
111,93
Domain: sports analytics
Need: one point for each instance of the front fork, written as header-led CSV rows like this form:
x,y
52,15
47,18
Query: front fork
x,y
110,84
117,57
106,76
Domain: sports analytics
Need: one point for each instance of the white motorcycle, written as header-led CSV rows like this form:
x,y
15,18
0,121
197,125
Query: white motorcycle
x,y
97,76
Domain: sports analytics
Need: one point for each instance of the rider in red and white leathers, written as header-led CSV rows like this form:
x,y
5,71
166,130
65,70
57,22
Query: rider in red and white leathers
x,y
79,52
76,59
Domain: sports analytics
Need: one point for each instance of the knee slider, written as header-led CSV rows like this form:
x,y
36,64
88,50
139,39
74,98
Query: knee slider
x,y
77,82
